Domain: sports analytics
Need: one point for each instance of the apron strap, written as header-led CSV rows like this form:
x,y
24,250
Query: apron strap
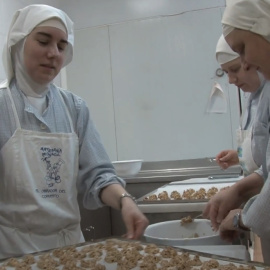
x,y
68,113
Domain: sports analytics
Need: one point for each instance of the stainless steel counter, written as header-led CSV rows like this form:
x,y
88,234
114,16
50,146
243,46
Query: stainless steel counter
x,y
169,171
156,174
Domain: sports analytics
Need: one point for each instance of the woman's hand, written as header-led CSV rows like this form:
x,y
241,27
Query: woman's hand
x,y
223,202
134,219
227,158
226,229
220,205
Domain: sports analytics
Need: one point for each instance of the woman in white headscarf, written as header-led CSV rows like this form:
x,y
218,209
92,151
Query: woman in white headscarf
x,y
250,81
246,27
50,149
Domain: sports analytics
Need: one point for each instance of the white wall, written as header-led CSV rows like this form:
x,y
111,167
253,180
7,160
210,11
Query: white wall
x,y
145,90
88,13
147,74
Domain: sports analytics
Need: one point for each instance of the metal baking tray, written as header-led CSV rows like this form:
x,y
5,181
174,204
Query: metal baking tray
x,y
181,187
102,244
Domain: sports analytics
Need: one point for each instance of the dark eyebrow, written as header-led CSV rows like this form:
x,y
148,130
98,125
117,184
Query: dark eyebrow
x,y
49,36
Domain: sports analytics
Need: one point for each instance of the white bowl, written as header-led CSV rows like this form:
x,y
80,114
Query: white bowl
x,y
127,167
174,234
231,251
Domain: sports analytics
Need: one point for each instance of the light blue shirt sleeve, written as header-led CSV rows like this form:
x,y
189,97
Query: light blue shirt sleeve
x,y
96,170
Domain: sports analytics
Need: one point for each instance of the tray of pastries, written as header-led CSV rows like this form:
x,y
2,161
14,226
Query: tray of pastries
x,y
184,192
121,254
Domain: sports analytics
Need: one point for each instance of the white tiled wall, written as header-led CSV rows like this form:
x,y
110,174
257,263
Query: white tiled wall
x,y
2,39
7,9
88,13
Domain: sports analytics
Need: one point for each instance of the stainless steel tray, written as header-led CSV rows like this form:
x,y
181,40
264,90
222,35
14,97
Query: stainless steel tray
x,y
181,187
104,246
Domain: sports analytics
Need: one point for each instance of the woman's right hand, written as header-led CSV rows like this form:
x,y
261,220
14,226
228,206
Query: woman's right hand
x,y
221,204
227,158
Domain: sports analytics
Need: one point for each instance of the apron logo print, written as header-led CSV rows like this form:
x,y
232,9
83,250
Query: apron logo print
x,y
240,151
52,177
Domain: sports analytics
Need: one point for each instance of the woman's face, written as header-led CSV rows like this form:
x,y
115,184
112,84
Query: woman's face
x,y
44,53
252,48
242,75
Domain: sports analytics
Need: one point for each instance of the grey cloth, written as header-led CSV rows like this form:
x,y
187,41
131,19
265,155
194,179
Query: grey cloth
x,y
260,134
248,120
256,213
95,168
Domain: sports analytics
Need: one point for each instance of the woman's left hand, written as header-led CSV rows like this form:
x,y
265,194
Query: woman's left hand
x,y
226,229
134,219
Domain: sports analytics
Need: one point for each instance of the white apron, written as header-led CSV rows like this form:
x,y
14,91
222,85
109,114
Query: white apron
x,y
244,151
38,195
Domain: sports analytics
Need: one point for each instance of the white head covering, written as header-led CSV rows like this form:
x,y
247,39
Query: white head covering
x,y
251,15
23,81
224,53
24,21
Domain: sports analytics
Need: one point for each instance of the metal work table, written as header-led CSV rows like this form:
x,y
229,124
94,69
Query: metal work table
x,y
154,175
